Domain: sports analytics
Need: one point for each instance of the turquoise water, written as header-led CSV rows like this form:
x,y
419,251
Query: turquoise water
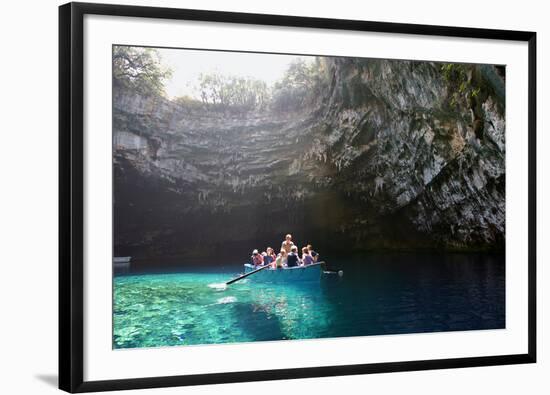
x,y
196,308
386,295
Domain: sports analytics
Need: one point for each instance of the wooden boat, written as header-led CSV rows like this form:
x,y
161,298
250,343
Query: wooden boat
x,y
121,264
297,274
122,259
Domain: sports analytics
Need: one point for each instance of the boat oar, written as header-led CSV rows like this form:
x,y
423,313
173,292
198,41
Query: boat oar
x,y
247,274
326,270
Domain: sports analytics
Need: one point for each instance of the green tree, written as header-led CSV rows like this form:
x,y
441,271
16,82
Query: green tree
x,y
139,69
301,85
226,91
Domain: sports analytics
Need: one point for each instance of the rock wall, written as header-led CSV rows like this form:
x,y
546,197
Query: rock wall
x,y
384,159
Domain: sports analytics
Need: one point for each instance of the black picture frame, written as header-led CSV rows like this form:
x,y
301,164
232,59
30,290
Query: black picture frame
x,y
71,205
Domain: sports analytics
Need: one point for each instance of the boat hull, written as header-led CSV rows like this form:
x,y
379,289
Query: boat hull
x,y
121,264
298,274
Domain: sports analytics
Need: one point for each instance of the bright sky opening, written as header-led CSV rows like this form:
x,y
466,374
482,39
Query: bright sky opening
x,y
187,65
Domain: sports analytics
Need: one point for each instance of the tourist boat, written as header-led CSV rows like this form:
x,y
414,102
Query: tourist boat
x,y
298,274
121,264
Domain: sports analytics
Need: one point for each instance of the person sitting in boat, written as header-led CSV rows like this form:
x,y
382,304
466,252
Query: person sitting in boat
x,y
266,258
287,244
257,259
307,259
313,254
280,262
293,259
269,256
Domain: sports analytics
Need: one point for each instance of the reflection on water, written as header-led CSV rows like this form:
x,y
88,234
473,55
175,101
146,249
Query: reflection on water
x,y
378,294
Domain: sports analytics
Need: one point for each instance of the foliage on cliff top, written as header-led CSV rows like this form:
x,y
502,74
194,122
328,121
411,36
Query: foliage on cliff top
x,y
224,91
302,84
139,69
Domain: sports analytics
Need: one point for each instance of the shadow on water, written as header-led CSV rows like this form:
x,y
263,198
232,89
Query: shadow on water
x,y
257,321
283,311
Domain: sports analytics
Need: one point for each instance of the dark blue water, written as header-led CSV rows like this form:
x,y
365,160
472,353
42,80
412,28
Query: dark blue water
x,y
378,294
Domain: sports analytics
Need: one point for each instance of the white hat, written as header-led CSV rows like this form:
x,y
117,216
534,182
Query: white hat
x,y
254,252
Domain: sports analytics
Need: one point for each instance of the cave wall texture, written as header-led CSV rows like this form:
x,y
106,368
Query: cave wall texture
x,y
381,160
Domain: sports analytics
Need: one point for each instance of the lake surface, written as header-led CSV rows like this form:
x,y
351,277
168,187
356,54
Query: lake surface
x,y
378,294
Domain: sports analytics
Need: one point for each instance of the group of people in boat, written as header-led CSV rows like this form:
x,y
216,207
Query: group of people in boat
x,y
287,257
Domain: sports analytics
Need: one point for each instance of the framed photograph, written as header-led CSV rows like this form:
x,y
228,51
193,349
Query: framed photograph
x,y
251,197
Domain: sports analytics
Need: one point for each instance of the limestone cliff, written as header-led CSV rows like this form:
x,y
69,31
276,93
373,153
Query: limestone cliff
x,y
391,155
